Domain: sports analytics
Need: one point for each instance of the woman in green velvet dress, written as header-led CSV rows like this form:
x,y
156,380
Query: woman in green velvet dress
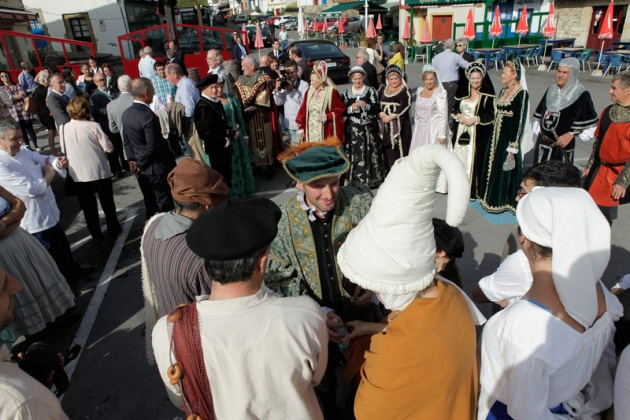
x,y
502,171
243,183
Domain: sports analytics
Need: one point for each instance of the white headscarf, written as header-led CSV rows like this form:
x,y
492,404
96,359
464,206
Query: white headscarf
x,y
568,221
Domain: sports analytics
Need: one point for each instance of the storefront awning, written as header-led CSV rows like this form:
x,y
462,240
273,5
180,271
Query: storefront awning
x,y
359,5
435,2
14,15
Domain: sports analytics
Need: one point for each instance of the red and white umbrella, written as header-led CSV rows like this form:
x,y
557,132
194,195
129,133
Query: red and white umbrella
x,y
341,27
606,32
469,29
325,26
550,28
426,37
496,29
379,25
522,28
258,42
406,31
371,32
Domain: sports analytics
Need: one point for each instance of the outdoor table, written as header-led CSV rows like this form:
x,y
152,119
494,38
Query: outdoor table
x,y
517,50
486,52
571,52
556,43
620,44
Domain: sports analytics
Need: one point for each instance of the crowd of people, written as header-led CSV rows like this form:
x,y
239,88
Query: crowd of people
x,y
252,309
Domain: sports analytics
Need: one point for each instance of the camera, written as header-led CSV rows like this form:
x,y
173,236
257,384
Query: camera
x,y
284,82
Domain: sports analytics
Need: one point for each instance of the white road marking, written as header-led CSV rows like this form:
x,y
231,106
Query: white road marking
x,y
101,289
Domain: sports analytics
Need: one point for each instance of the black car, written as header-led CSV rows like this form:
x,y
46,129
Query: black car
x,y
315,50
251,33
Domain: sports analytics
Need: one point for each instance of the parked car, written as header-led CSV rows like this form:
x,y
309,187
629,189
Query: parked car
x,y
318,23
239,19
355,24
280,20
315,49
270,20
251,33
291,24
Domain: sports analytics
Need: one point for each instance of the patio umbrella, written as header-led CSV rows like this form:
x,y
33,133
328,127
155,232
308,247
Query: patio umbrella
x,y
245,36
371,32
379,25
522,27
606,32
469,29
258,42
496,29
548,31
341,29
325,26
406,31
426,37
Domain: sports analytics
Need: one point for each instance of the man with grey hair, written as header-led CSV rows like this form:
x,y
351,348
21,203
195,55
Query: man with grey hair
x,y
25,79
215,66
447,65
57,100
146,63
187,95
254,90
115,110
565,112
363,61
608,170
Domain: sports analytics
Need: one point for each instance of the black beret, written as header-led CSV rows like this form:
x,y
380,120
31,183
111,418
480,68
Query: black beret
x,y
449,239
234,230
213,79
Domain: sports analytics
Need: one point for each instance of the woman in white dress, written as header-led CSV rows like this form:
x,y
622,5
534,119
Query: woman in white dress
x,y
431,117
474,114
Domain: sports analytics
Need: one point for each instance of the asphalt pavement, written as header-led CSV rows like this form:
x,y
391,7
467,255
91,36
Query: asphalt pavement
x,y
112,379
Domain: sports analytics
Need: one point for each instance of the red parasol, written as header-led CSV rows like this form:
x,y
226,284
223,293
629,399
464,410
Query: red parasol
x,y
325,26
469,29
341,26
406,32
426,33
371,32
607,29
258,42
245,36
522,27
306,28
379,25
550,27
496,29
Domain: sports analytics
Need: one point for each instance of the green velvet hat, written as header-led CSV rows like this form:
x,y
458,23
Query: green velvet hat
x,y
317,162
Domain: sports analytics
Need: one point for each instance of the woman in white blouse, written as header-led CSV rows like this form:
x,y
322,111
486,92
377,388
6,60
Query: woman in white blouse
x,y
86,145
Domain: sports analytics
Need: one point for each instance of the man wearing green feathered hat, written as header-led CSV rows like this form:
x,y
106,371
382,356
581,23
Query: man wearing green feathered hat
x,y
314,225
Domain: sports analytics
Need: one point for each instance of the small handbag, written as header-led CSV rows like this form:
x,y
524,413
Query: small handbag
x,y
509,164
31,105
464,138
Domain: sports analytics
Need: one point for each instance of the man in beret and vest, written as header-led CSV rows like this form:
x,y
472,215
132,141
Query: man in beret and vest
x,y
171,273
313,227
242,352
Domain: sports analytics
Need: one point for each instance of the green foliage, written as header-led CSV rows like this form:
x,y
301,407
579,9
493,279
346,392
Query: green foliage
x,y
190,3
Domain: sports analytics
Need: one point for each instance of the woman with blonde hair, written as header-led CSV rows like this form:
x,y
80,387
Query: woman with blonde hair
x,y
321,113
86,145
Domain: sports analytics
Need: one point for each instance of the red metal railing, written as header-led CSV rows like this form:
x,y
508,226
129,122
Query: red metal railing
x,y
42,53
196,40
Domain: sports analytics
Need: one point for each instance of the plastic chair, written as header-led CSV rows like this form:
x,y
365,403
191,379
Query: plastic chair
x,y
475,55
496,58
419,54
556,57
584,60
537,54
614,61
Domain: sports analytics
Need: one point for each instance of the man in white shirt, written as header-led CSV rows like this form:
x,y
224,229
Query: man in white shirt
x,y
261,354
146,63
291,95
28,176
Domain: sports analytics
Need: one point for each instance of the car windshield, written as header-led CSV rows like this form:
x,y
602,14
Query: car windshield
x,y
319,50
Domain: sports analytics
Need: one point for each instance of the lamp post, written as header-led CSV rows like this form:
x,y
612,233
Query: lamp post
x,y
365,22
300,19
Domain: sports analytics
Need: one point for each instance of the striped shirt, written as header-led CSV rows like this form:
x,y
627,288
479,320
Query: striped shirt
x,y
177,273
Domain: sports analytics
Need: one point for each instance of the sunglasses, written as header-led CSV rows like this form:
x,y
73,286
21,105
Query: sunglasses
x,y
4,75
460,45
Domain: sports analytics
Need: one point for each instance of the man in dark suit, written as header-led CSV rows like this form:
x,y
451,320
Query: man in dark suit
x,y
372,77
212,126
147,151
98,102
57,101
275,51
178,56
238,53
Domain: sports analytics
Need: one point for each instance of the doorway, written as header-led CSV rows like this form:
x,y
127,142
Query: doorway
x,y
619,17
442,27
